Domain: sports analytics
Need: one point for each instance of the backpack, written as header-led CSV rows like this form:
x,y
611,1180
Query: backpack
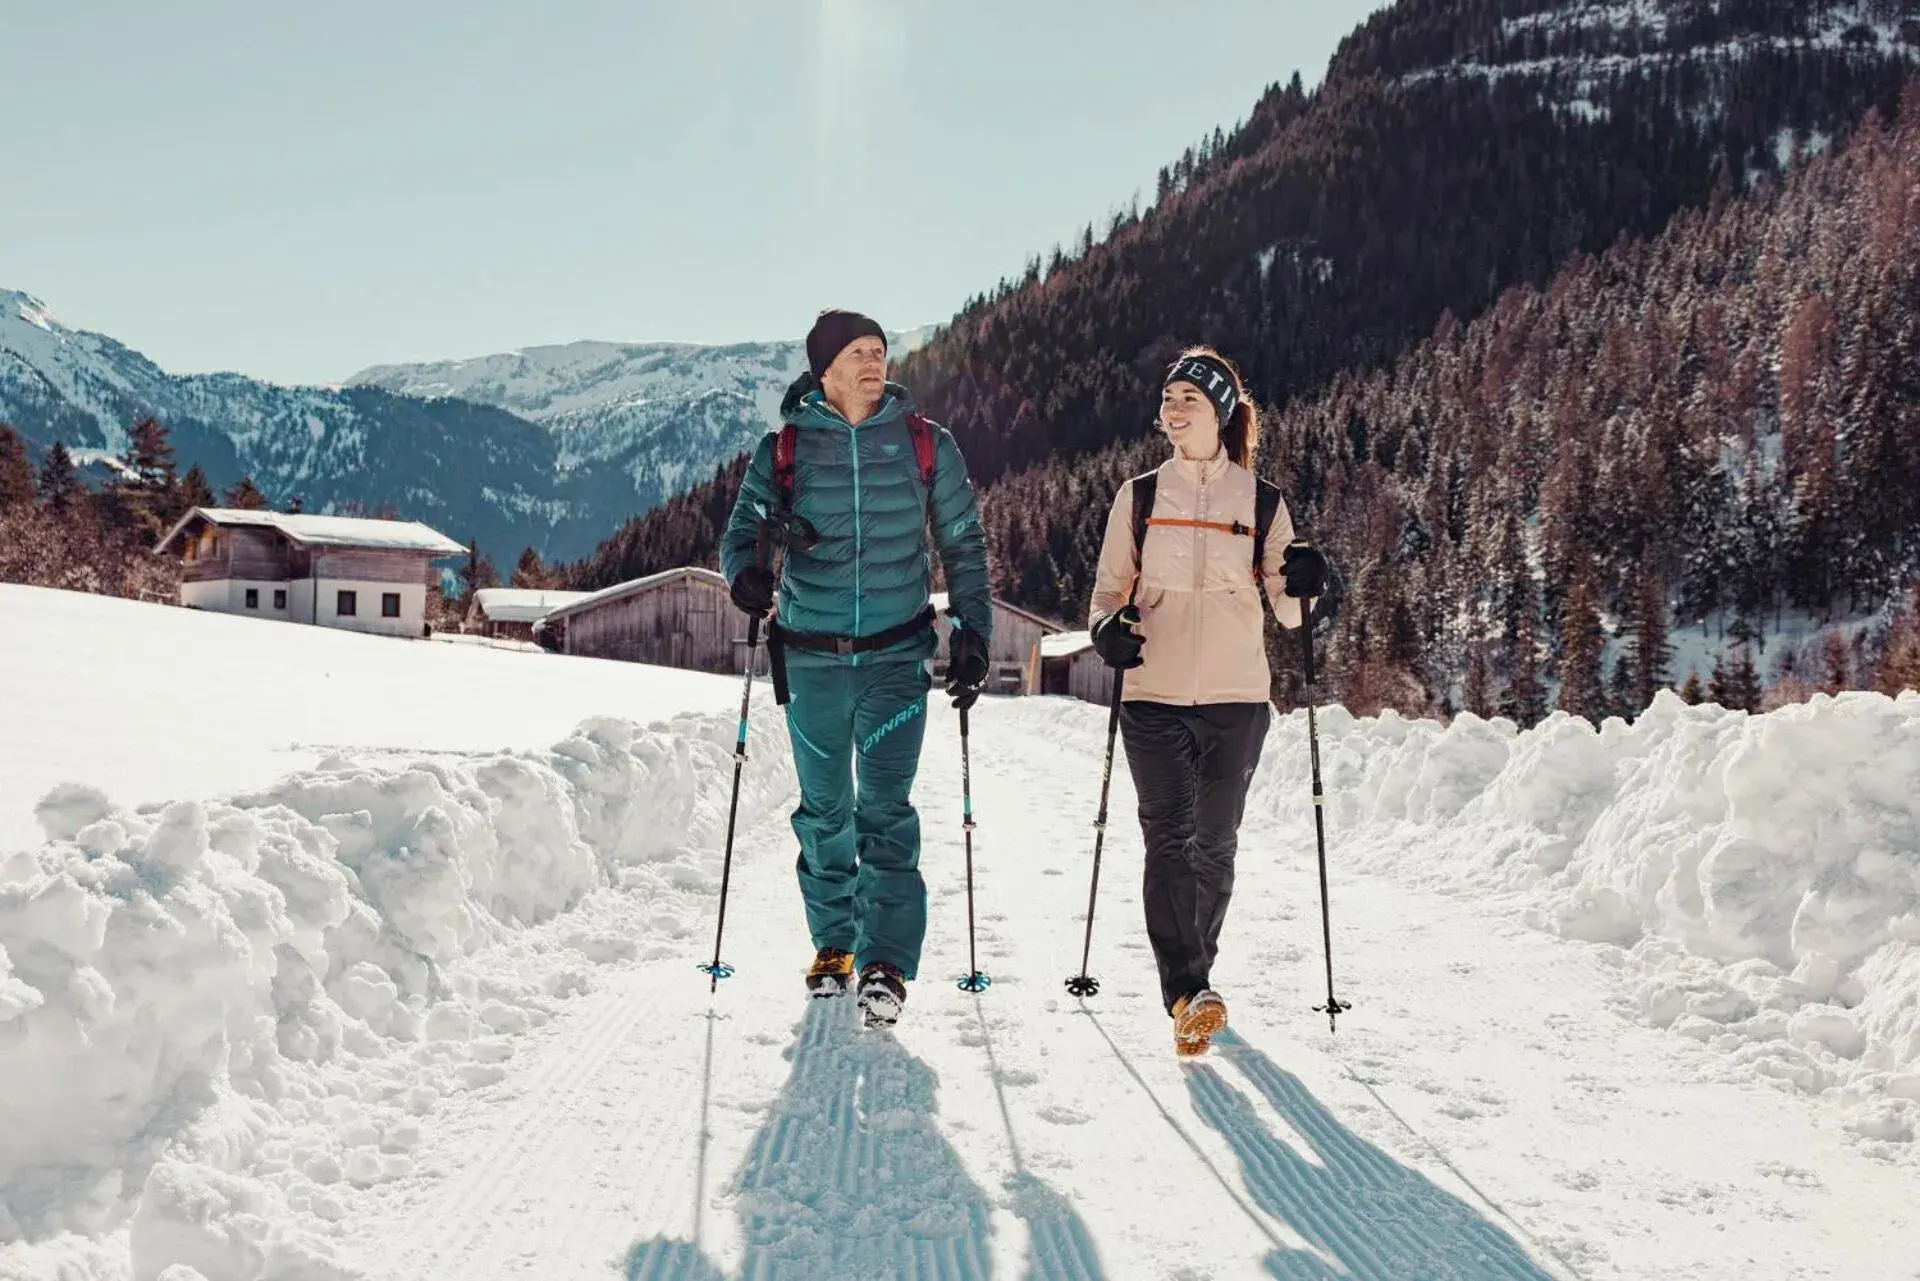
x,y
919,426
1266,504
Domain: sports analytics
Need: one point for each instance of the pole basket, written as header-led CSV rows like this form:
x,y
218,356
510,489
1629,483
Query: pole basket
x,y
975,982
717,970
1083,985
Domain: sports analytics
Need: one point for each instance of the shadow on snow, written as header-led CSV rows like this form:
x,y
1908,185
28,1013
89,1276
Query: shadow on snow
x,y
850,1176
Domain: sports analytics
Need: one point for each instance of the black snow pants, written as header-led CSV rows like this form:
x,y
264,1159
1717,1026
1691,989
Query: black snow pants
x,y
1191,768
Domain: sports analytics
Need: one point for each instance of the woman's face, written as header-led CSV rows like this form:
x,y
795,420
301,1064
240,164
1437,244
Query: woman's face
x,y
1190,420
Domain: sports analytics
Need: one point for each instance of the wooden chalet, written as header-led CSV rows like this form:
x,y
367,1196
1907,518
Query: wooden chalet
x,y
349,572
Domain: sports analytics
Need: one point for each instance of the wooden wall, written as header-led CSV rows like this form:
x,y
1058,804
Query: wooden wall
x,y
256,554
368,566
248,552
685,622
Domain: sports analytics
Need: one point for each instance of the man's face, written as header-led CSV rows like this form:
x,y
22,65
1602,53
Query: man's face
x,y
858,375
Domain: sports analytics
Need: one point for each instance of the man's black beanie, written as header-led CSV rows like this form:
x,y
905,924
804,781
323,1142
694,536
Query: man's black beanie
x,y
832,332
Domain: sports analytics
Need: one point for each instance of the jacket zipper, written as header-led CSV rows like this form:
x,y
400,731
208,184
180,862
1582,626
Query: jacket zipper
x,y
853,448
1199,581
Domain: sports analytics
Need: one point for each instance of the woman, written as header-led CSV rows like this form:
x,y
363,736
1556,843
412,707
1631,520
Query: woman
x,y
1181,612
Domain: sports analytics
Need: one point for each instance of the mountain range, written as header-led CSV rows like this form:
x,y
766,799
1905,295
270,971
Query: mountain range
x,y
547,447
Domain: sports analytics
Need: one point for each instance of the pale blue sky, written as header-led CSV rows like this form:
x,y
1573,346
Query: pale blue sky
x,y
297,191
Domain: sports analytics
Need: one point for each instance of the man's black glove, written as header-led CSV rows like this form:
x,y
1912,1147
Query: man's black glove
x,y
1116,641
966,666
753,590
1305,570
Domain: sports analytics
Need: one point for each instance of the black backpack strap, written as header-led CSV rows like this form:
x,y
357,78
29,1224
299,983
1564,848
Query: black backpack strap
x,y
1144,489
1266,505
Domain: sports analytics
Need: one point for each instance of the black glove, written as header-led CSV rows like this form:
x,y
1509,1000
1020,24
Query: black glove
x,y
966,666
1116,641
753,590
1305,570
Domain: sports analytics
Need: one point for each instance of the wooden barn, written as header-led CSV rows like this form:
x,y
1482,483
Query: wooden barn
x,y
509,613
681,618
1069,666
1016,646
330,571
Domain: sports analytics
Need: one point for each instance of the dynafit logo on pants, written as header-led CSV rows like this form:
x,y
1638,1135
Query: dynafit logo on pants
x,y
900,718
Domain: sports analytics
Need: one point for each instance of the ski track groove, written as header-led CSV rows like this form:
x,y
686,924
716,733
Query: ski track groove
x,y
553,1094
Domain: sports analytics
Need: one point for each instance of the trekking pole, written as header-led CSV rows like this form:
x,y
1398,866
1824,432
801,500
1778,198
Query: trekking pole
x,y
975,981
1084,984
1334,1006
718,969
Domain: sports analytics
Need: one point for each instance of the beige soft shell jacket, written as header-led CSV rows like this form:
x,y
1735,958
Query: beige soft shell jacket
x,y
1200,602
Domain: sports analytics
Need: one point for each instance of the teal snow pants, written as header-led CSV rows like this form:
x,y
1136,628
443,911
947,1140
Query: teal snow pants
x,y
856,734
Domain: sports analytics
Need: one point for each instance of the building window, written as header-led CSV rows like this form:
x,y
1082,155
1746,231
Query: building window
x,y
347,605
389,604
279,598
253,598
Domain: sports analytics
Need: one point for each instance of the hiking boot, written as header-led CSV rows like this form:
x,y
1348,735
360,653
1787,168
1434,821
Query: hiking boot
x,y
1196,1019
832,972
882,992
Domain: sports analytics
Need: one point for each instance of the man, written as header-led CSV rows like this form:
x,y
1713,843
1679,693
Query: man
x,y
853,479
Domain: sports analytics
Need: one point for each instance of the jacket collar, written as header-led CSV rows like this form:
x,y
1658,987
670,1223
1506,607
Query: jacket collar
x,y
1208,469
805,405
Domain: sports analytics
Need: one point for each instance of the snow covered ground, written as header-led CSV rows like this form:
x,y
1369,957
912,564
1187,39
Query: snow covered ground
x,y
393,977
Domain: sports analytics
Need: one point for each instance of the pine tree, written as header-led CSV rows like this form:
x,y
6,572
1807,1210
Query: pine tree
x,y
1691,693
1526,699
1581,689
145,501
16,473
194,491
476,575
1477,694
531,571
1900,668
1735,684
1651,653
244,495
150,454
1839,667
60,482
1621,697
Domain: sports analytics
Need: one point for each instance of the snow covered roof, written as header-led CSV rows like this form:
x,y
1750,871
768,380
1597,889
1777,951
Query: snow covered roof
x,y
522,604
633,587
328,531
1065,644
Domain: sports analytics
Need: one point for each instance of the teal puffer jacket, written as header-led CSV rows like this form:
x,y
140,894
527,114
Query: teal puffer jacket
x,y
860,489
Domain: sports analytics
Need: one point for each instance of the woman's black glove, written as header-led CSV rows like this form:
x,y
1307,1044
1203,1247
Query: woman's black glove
x,y
1305,570
1116,640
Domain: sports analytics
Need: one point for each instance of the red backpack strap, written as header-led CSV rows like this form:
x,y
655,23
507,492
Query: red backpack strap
x,y
783,465
924,445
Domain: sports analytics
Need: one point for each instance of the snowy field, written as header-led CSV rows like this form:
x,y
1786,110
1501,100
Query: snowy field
x,y
328,957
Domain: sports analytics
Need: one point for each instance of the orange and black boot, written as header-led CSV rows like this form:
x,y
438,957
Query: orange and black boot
x,y
832,972
1196,1019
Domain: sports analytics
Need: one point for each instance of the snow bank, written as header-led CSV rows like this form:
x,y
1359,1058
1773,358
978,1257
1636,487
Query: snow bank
x,y
1756,877
219,1021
